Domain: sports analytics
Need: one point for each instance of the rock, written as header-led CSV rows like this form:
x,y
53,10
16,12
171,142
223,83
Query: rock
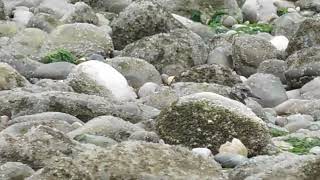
x,y
256,108
294,94
44,21
284,165
171,53
145,136
82,13
57,70
15,170
249,51
2,11
229,21
51,85
305,36
205,32
228,160
303,66
26,43
53,116
199,120
21,15
58,8
85,107
258,10
147,89
21,128
210,74
310,89
97,57
80,39
36,147
268,88
220,56
203,152
101,141
287,24
280,42
8,28
141,19
313,5
242,92
275,67
315,150
10,78
115,6
3,122
234,147
119,162
108,126
98,78
136,71
298,121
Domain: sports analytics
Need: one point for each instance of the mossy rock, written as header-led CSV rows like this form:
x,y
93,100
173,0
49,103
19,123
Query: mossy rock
x,y
302,145
209,120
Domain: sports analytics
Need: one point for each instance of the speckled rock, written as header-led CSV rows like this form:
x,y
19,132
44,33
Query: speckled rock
x,y
209,120
10,78
171,53
275,67
82,13
140,19
57,70
15,171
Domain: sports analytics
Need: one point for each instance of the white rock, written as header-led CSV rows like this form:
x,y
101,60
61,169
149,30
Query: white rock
x,y
234,147
203,152
315,150
148,88
22,15
106,76
280,42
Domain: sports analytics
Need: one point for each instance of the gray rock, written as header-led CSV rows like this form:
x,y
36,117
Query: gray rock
x,y
256,108
294,94
97,57
115,6
210,74
275,67
58,8
101,141
209,120
145,136
305,36
120,162
53,116
284,165
220,56
258,10
2,11
81,39
21,15
229,21
44,21
268,88
82,13
52,85
36,147
287,24
249,51
171,53
57,70
108,126
303,66
315,150
136,71
8,28
298,121
310,89
84,107
10,78
228,160
15,170
141,19
313,5
147,89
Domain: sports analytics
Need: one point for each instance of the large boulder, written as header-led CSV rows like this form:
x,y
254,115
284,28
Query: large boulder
x,y
85,107
306,36
303,66
210,74
140,19
10,78
81,39
209,120
171,53
136,71
249,51
268,88
97,78
132,160
282,166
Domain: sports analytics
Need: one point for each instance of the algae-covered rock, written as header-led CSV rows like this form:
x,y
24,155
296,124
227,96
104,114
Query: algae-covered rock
x,y
209,120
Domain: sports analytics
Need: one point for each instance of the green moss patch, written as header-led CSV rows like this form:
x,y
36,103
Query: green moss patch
x,y
282,11
302,146
277,133
255,28
196,16
59,55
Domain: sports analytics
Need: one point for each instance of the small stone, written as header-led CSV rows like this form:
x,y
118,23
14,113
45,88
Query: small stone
x,y
235,147
203,152
228,160
229,21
